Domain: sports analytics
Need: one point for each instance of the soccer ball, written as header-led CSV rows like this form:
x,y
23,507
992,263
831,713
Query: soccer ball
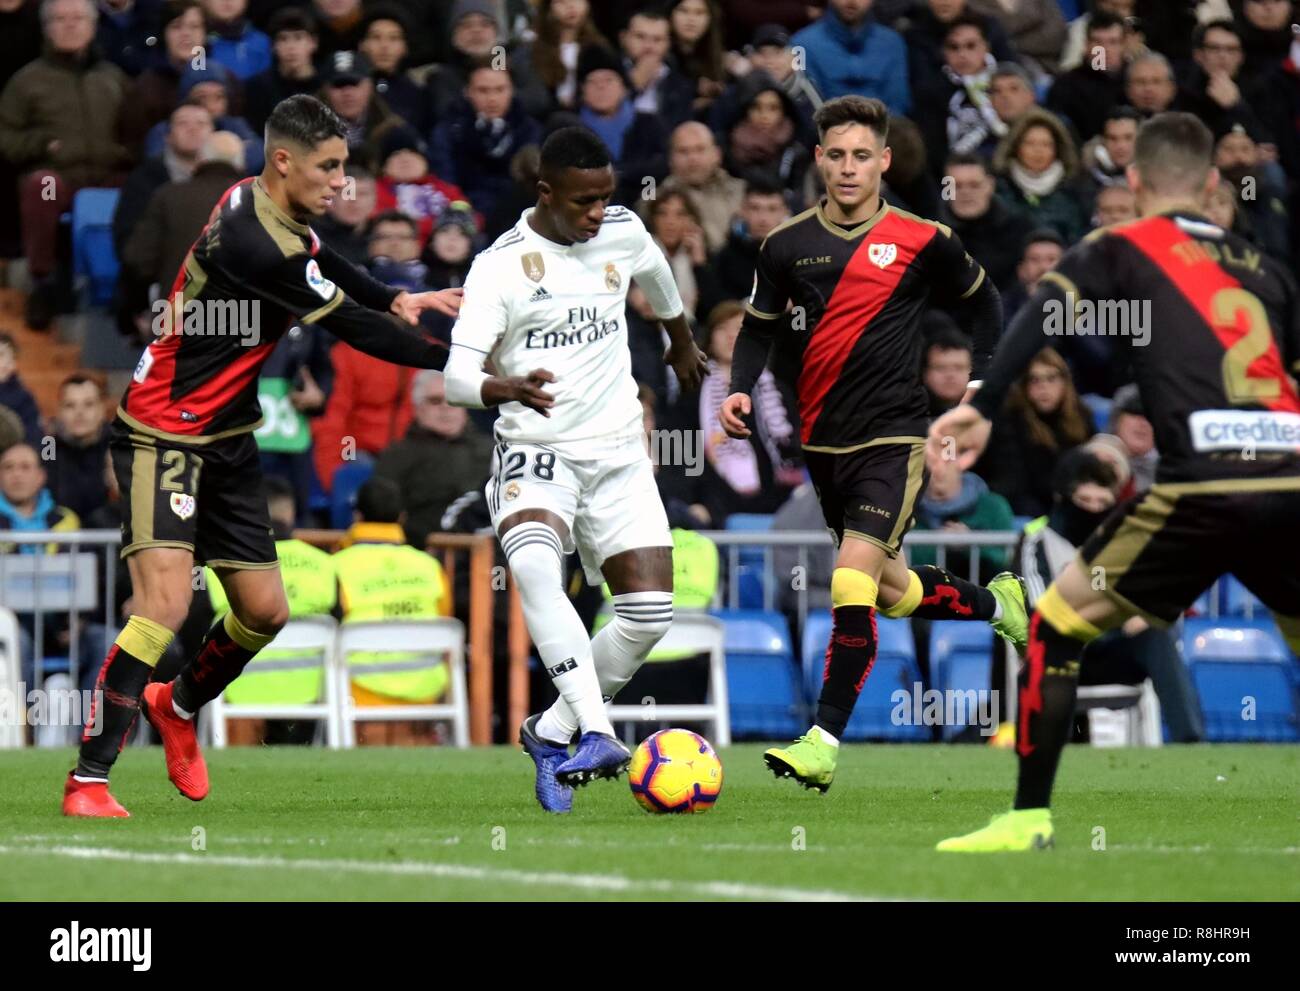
x,y
675,770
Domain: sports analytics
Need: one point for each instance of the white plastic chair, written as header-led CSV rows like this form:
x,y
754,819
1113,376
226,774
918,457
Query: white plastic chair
x,y
436,641
312,639
11,730
1138,702
698,633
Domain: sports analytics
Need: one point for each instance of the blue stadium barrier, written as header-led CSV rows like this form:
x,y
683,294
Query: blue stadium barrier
x,y
347,480
762,679
93,253
751,574
1245,677
961,659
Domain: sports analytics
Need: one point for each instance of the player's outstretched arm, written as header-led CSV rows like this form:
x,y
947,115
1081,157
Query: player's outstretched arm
x,y
688,362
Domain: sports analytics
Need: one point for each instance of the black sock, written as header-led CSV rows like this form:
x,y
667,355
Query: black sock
x,y
1048,680
944,596
849,656
113,711
220,661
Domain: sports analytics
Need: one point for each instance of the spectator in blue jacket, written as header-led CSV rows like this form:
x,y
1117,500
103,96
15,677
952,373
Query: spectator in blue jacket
x,y
848,52
209,87
233,41
13,394
474,143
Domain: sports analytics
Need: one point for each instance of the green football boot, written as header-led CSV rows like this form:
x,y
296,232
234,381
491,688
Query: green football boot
x,y
810,760
1022,829
1009,590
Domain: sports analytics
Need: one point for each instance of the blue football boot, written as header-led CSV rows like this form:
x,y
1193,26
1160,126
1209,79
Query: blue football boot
x,y
553,796
598,756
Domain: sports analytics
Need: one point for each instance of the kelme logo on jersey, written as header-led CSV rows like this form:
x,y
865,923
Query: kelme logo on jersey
x,y
613,281
183,505
882,255
322,286
534,266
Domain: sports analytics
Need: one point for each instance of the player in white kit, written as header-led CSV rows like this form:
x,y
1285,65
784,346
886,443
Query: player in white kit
x,y
547,304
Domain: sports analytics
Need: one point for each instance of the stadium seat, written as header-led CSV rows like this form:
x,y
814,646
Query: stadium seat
x,y
1245,677
894,668
751,570
961,660
347,480
11,730
762,679
414,644
1099,406
1238,600
691,633
93,253
302,644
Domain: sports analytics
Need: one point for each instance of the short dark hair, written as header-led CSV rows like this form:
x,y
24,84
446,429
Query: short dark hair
x,y
302,120
573,148
1122,112
386,12
292,19
1041,235
476,63
960,158
966,19
379,500
1078,466
1174,152
392,217
83,378
763,186
852,109
1104,19
947,339
1198,39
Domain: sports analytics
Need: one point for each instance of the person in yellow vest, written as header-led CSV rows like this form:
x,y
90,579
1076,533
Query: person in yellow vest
x,y
310,587
380,577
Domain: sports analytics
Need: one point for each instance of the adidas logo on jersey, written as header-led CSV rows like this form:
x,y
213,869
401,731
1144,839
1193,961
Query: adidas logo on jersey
x,y
540,296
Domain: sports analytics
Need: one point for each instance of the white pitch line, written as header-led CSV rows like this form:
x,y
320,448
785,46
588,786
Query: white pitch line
x,y
585,882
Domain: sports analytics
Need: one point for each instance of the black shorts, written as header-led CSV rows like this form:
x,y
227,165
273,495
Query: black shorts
x,y
1159,551
870,493
205,498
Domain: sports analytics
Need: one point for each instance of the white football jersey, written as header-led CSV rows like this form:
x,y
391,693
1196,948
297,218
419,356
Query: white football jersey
x,y
532,303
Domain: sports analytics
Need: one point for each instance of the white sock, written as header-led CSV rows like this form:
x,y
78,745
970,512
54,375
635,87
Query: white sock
x,y
537,562
618,650
179,711
997,609
827,737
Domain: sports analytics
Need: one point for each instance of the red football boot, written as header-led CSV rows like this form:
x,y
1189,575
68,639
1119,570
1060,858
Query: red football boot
x,y
91,800
185,764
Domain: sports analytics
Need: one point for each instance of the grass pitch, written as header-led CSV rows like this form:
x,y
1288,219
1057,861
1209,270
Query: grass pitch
x,y
1203,822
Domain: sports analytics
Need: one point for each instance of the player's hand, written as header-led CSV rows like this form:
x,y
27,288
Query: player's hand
x,y
689,363
409,305
527,389
734,407
962,432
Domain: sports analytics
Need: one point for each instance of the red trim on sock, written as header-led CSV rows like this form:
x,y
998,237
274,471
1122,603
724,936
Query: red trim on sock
x,y
95,692
949,597
1031,693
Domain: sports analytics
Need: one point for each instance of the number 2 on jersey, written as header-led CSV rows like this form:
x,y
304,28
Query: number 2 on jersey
x,y
515,462
1228,305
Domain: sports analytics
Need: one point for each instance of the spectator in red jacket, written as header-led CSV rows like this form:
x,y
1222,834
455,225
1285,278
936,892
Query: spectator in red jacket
x,y
368,408
407,184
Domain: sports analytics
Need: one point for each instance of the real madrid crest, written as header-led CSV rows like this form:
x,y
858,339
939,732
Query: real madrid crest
x,y
612,279
534,266
512,491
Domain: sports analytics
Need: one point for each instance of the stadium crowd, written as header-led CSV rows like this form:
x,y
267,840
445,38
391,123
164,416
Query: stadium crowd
x,y
1012,122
